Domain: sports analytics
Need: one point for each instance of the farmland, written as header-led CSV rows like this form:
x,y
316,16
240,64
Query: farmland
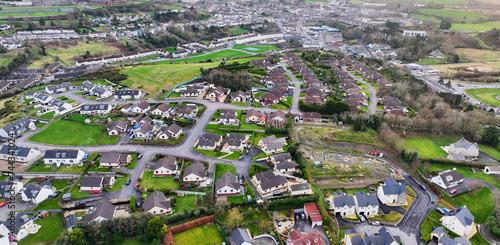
x,y
483,26
454,15
217,56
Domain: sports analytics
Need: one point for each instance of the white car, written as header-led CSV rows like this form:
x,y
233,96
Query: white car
x,y
132,150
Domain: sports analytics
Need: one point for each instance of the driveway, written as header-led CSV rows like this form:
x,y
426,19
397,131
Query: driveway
x,y
387,209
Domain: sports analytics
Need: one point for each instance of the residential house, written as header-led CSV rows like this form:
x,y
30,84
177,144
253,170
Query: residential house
x,y
240,96
456,241
193,91
254,116
366,204
239,237
117,128
228,117
23,226
311,117
271,144
392,192
70,221
10,188
144,131
313,100
235,142
382,237
217,93
300,189
18,127
270,99
185,112
21,154
37,193
448,179
58,88
96,182
63,157
124,94
114,159
141,107
162,110
157,204
167,166
460,221
171,132
210,141
267,182
311,211
195,173
342,204
227,185
310,238
103,210
276,116
463,148
488,169
97,109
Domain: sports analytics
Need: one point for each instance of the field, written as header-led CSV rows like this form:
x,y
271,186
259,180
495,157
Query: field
x,y
159,182
238,31
311,135
427,147
221,169
483,26
69,54
478,55
454,15
486,95
426,18
255,48
217,56
471,66
444,2
5,58
205,234
64,132
185,203
51,229
480,203
252,214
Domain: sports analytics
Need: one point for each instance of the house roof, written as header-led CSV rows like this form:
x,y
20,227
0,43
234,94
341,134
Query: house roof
x,y
274,114
91,181
143,105
70,221
19,151
450,176
61,154
239,236
20,219
31,191
300,187
365,200
391,187
103,209
274,182
156,199
341,200
311,238
463,143
123,92
284,157
102,107
174,128
110,157
253,112
311,115
285,165
19,125
227,179
311,208
197,168
168,162
457,241
163,107
463,215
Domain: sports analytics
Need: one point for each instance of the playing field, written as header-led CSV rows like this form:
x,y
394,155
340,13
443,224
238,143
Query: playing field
x,y
69,55
255,48
202,235
454,15
65,132
486,95
483,26
217,56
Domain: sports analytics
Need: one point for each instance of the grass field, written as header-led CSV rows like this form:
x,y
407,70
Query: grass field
x,y
426,18
221,169
51,228
454,15
486,95
480,66
217,56
160,182
205,234
483,26
444,2
185,203
309,134
429,147
64,132
5,58
480,203
259,48
238,31
70,54
478,55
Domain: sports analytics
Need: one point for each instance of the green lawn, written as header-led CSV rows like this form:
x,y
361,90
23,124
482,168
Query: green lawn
x,y
486,95
455,15
76,193
426,18
238,31
221,169
427,61
427,147
107,140
256,215
427,226
132,164
480,203
484,26
160,182
391,217
279,107
240,104
207,153
185,203
255,48
492,179
51,228
48,115
477,239
120,183
217,56
42,168
60,184
251,126
72,169
65,132
237,199
205,234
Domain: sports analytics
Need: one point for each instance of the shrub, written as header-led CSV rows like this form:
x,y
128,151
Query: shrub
x,y
132,203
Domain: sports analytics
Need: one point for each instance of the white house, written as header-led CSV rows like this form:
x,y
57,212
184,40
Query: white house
x,y
492,169
63,157
117,128
58,88
21,154
383,236
171,132
162,110
342,204
24,225
271,144
10,188
195,173
96,182
166,167
392,192
227,185
124,94
463,148
366,204
228,117
447,179
235,142
97,109
300,189
410,33
157,204
37,193
460,221
114,159
268,182
141,107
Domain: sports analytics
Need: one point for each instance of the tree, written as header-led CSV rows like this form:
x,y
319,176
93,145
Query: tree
x,y
86,55
155,229
77,237
445,24
490,136
42,50
132,203
454,58
41,21
236,216
392,26
117,238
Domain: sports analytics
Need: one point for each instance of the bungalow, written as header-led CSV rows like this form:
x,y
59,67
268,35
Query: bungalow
x,y
114,159
217,93
141,107
392,192
269,98
314,92
97,109
271,144
310,238
447,179
240,96
235,142
285,167
281,158
312,117
463,148
192,91
300,189
254,116
276,116
104,210
21,154
17,127
185,112
62,157
23,226
58,88
267,182
492,169
162,110
166,167
460,221
37,193
342,204
96,182
210,141
227,185
195,173
382,237
366,204
313,100
124,94
117,128
228,117
144,131
171,132
157,204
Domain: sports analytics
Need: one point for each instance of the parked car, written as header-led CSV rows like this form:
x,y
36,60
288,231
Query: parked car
x,y
4,203
140,156
128,182
247,151
453,191
94,192
362,218
302,216
239,158
375,223
132,150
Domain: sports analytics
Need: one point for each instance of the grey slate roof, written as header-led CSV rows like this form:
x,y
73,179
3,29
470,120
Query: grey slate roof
x,y
365,200
32,190
284,157
463,215
61,154
91,181
341,200
285,165
463,143
20,219
239,236
196,168
95,107
18,126
103,209
276,181
457,241
391,187
167,162
156,199
70,221
300,187
19,151
227,179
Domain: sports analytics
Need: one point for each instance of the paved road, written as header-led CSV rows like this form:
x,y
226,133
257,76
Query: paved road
x,y
372,108
296,94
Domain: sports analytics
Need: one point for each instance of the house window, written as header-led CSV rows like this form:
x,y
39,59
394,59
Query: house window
x,y
50,160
